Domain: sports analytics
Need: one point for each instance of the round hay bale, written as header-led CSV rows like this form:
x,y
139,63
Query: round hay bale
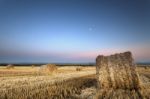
x,y
33,66
49,68
10,66
146,67
78,68
117,71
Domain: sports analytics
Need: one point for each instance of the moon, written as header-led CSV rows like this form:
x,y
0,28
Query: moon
x,y
90,29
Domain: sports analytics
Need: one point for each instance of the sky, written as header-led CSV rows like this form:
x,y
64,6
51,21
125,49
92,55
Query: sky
x,y
73,31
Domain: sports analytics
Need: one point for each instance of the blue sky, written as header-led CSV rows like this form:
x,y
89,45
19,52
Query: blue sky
x,y
73,30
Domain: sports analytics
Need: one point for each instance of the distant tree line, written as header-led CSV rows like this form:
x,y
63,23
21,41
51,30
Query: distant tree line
x,y
57,64
61,64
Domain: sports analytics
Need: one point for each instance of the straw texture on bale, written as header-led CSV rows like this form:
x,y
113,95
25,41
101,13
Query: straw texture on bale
x,y
117,71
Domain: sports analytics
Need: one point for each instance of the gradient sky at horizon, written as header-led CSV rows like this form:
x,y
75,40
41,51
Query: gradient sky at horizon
x,y
73,30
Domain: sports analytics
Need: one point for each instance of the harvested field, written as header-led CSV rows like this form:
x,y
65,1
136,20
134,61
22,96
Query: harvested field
x,y
66,83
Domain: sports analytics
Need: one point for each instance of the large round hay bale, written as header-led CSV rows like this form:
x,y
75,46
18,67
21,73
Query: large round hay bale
x,y
9,66
117,71
116,75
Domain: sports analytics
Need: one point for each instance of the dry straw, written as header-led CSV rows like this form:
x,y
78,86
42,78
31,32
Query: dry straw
x,y
48,68
78,68
10,66
117,72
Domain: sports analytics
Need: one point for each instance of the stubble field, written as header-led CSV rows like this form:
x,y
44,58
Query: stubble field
x,y
67,82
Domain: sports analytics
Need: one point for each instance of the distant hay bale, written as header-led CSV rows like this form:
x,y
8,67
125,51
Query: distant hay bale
x,y
10,66
146,67
117,71
33,66
49,68
78,68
